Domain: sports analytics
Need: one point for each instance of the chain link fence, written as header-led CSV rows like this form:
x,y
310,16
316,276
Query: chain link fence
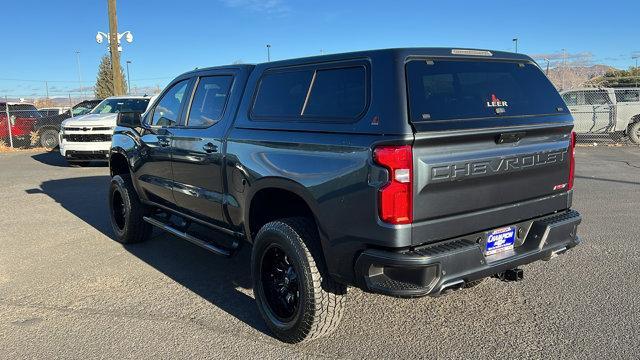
x,y
605,115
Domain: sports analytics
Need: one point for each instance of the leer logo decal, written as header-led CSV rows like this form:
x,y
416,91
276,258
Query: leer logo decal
x,y
495,102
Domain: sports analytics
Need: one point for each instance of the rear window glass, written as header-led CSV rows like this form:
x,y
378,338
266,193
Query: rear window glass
x,y
23,111
451,90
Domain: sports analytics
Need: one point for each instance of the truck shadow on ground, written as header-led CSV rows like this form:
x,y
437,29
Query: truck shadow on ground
x,y
53,158
216,279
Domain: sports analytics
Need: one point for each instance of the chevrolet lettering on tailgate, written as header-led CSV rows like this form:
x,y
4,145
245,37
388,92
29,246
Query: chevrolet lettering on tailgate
x,y
486,167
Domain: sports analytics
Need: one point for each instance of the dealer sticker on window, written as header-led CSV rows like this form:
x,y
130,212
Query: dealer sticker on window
x,y
500,240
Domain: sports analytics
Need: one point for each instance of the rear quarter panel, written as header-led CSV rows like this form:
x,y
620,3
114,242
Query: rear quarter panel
x,y
333,173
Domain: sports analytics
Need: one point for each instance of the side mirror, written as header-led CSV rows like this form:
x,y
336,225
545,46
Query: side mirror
x,y
129,119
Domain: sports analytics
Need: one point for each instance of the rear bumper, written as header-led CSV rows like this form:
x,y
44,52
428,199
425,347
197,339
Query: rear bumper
x,y
432,269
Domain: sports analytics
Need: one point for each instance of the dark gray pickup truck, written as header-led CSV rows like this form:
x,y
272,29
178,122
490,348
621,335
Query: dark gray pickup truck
x,y
404,172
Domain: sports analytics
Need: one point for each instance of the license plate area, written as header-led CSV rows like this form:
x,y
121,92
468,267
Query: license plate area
x,y
499,241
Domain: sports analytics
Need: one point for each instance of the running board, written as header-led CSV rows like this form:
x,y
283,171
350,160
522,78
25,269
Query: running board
x,y
183,235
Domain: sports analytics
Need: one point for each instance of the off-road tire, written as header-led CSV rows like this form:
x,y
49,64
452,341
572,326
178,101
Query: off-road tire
x,y
634,132
321,300
130,228
49,139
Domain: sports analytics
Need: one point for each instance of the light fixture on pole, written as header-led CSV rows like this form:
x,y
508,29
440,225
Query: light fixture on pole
x,y
515,40
128,37
268,52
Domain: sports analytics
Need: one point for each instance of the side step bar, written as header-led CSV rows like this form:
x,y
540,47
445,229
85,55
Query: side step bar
x,y
183,235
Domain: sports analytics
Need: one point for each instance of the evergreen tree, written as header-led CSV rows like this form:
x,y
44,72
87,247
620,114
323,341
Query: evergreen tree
x,y
104,81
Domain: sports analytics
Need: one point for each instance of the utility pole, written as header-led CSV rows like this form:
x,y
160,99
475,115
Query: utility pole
x,y
46,85
118,88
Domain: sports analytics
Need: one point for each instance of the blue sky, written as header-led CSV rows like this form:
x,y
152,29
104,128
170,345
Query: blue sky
x,y
171,37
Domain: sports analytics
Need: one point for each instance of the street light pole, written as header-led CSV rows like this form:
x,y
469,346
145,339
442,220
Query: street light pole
x,y
79,74
564,65
268,53
515,40
635,70
547,60
128,78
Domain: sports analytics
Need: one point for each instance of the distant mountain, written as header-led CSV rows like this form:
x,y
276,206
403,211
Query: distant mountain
x,y
576,76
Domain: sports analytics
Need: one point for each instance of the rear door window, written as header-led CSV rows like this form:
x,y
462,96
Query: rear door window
x,y
444,90
209,100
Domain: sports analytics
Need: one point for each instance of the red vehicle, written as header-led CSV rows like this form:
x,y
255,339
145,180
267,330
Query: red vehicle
x,y
22,118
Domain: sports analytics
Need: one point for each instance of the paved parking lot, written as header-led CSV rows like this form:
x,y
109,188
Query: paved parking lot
x,y
68,291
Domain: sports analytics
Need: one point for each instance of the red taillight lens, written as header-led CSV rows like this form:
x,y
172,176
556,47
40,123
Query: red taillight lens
x,y
396,197
572,160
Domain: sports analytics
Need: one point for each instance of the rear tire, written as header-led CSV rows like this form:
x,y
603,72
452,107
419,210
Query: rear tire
x,y
634,133
297,298
127,212
49,139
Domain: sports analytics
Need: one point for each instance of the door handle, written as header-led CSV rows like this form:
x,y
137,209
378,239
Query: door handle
x,y
164,142
210,148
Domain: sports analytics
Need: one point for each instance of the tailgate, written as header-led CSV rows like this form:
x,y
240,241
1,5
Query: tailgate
x,y
467,172
492,136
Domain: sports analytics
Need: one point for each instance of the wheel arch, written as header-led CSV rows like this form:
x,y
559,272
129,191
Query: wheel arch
x,y
118,163
49,127
299,202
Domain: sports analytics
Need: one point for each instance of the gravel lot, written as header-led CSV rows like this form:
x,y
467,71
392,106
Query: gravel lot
x,y
68,291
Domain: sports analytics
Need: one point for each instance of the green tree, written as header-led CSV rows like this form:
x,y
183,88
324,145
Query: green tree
x,y
618,78
104,81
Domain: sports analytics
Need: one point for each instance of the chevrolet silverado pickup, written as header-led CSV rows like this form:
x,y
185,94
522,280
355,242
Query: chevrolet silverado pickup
x,y
87,138
404,172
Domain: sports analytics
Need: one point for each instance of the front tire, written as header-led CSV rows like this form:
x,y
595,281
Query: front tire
x,y
127,211
634,133
297,298
49,139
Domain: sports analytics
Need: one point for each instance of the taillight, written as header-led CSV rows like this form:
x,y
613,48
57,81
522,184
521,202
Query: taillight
x,y
572,160
396,197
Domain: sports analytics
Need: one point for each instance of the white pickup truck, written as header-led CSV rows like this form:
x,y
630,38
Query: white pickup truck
x,y
88,137
603,111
